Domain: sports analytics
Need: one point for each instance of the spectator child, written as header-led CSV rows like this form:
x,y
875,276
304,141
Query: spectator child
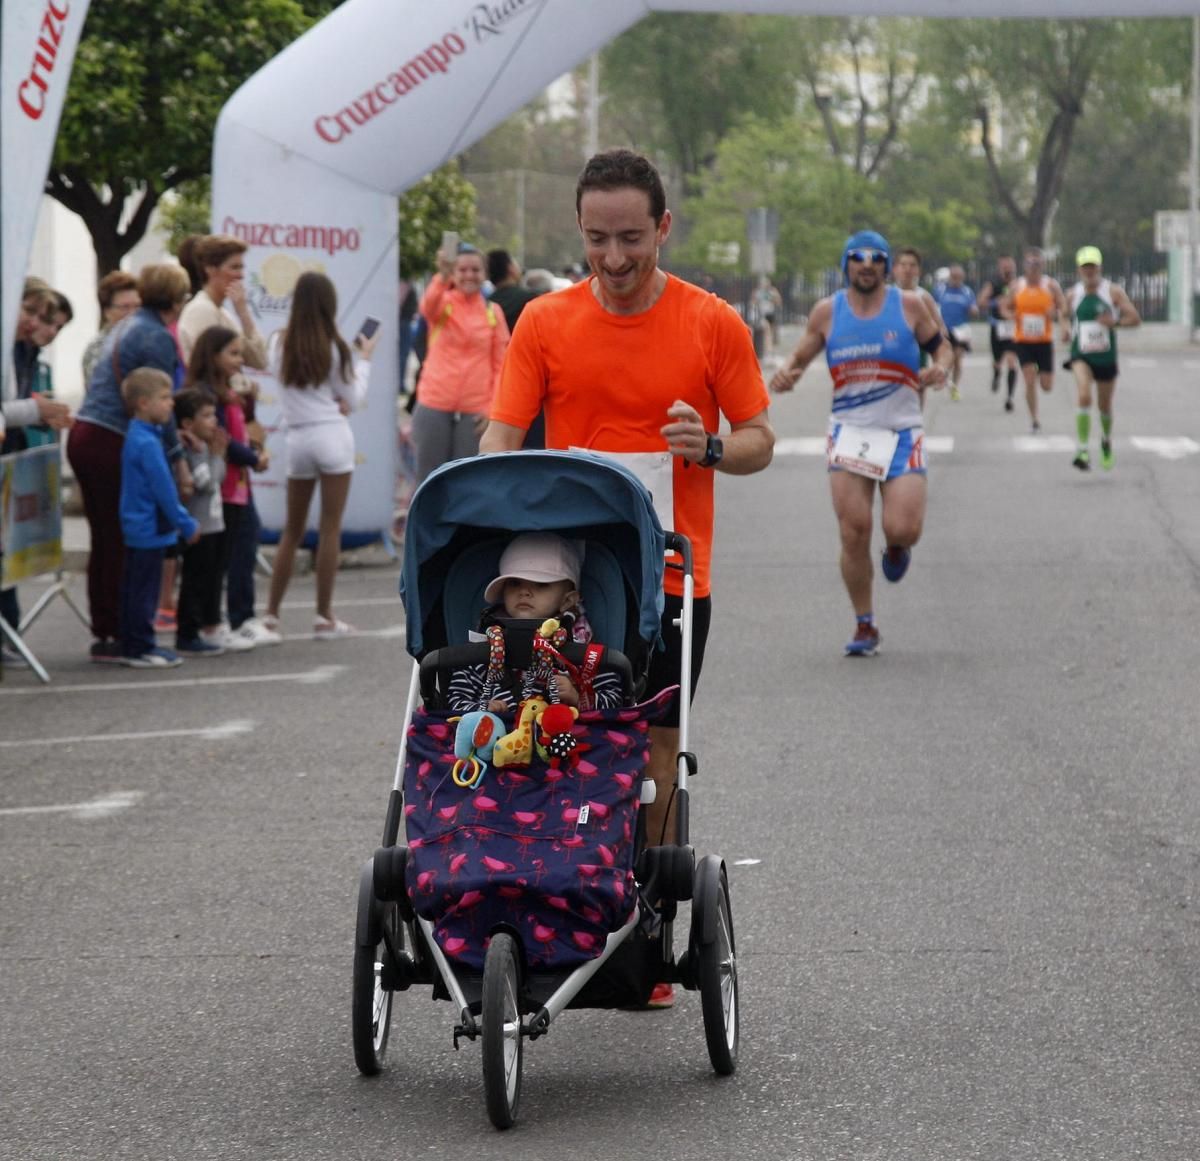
x,y
151,516
216,360
204,442
539,578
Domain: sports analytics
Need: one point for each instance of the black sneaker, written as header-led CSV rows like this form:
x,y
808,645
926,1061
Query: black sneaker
x,y
1082,461
106,652
1008,405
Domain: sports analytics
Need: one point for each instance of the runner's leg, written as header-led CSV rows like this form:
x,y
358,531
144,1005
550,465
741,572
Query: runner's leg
x,y
1083,416
1105,389
853,501
904,501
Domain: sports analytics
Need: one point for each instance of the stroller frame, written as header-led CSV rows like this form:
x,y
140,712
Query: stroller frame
x,y
396,948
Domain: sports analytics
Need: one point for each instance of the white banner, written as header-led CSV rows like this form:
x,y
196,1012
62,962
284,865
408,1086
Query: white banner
x,y
294,217
38,46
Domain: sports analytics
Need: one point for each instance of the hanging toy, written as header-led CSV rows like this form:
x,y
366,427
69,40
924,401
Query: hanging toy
x,y
539,677
555,742
516,748
474,742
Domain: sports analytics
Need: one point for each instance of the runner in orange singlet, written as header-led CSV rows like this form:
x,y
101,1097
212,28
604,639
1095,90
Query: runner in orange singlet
x,y
1035,302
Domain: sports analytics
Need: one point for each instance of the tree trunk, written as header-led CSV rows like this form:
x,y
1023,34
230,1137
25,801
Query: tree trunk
x,y
102,216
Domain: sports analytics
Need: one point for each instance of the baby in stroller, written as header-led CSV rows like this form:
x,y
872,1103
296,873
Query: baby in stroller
x,y
539,579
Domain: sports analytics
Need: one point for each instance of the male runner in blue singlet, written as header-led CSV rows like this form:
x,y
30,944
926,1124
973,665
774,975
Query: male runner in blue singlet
x,y
872,335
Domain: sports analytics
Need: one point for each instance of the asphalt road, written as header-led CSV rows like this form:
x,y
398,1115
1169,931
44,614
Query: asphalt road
x,y
969,927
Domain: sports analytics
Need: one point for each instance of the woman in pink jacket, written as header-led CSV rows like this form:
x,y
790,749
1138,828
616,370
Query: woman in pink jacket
x,y
467,340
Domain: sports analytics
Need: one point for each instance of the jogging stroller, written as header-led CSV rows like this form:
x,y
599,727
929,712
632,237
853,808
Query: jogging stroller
x,y
532,888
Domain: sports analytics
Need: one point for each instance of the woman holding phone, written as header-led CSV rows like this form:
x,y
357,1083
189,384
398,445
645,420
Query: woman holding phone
x,y
467,340
322,382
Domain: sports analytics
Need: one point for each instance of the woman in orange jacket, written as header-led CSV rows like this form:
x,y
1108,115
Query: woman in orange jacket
x,y
467,340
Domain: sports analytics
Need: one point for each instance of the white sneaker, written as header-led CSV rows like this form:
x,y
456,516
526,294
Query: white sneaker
x,y
325,630
239,641
224,637
259,632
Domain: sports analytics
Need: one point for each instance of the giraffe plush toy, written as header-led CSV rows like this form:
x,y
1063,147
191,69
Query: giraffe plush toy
x,y
516,748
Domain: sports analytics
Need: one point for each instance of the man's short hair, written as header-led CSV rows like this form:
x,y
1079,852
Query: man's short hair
x,y
909,250
112,284
62,305
623,169
498,262
190,401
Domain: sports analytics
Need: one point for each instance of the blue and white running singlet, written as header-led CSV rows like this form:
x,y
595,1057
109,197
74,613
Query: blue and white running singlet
x,y
874,363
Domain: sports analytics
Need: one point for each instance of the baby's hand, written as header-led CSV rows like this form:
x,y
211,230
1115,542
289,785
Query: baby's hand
x,y
567,692
498,706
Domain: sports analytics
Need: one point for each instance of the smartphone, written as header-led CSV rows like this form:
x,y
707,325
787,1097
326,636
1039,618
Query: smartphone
x,y
450,243
369,327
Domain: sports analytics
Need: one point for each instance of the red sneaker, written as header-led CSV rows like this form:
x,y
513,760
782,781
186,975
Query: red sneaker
x,y
165,621
663,996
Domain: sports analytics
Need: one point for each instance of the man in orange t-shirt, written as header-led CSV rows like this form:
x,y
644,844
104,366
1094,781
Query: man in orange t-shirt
x,y
635,360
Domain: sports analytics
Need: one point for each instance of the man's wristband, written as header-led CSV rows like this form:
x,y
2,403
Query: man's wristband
x,y
713,453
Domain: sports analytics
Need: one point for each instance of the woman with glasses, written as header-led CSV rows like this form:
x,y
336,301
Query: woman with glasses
x,y
873,335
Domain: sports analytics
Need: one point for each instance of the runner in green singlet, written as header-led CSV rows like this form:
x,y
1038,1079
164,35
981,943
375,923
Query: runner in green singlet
x,y
1097,308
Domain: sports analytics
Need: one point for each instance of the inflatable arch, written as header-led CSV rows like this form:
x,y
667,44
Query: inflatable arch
x,y
312,151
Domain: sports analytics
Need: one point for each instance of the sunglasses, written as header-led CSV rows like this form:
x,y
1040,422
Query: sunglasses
x,y
875,257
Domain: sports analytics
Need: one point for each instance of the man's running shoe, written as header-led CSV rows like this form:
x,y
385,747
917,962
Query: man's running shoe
x,y
1082,461
165,621
865,641
1008,405
156,658
663,996
895,562
1106,456
1035,428
106,652
955,393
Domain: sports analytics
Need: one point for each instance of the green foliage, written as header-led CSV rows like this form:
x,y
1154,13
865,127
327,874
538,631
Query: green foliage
x,y
187,211
943,233
786,167
674,85
149,80
442,200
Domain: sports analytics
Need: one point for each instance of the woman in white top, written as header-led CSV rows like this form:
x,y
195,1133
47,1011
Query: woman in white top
x,y
321,381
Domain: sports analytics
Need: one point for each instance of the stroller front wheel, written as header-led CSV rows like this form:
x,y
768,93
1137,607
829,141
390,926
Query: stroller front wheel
x,y
371,1007
503,1045
716,957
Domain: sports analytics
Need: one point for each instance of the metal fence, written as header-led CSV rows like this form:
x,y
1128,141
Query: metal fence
x,y
1143,277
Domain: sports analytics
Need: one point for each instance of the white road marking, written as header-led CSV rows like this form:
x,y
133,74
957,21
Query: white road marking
x,y
385,634
219,732
813,446
345,602
102,807
1174,448
1043,443
318,675
746,862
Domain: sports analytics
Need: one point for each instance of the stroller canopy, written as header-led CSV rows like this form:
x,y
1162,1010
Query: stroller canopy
x,y
570,493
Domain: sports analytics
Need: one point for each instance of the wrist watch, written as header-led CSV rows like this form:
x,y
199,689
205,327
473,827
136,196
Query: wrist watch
x,y
713,453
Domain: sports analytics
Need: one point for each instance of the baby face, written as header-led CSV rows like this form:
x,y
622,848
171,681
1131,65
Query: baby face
x,y
537,599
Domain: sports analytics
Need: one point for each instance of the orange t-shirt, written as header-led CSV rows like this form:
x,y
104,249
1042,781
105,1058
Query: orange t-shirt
x,y
1034,310
607,380
467,340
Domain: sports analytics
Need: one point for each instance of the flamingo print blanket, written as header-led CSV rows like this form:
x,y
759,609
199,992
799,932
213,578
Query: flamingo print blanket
x,y
546,850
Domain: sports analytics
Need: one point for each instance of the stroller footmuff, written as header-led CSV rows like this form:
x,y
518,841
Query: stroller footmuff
x,y
545,849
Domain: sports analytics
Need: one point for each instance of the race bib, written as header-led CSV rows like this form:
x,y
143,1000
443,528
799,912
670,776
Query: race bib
x,y
655,471
866,451
1094,338
962,333
1006,330
1033,326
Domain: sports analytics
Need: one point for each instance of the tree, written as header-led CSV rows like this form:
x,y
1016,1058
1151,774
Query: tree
x,y
1026,85
785,166
862,78
148,83
442,200
675,84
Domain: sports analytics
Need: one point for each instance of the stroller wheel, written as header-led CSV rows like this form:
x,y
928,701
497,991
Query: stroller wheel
x,y
371,1008
715,960
503,1046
